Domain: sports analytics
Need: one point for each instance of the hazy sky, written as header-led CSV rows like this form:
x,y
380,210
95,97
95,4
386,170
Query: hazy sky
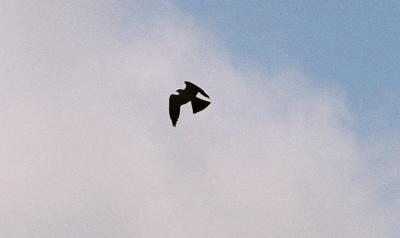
x,y
87,148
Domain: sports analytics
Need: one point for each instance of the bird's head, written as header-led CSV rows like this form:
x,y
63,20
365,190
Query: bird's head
x,y
179,90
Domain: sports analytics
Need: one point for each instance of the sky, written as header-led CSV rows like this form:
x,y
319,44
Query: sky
x,y
347,44
300,140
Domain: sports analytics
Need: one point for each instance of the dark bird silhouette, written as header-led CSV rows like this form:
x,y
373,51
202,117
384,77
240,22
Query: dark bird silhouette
x,y
184,96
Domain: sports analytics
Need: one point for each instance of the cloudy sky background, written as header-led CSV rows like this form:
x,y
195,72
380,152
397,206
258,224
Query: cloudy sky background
x,y
87,148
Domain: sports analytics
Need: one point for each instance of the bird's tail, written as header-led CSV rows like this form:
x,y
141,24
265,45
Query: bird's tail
x,y
199,104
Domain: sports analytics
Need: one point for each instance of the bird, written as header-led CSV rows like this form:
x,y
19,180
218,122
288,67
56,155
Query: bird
x,y
184,96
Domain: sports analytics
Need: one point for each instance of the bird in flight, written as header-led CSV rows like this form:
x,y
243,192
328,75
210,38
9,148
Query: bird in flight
x,y
184,96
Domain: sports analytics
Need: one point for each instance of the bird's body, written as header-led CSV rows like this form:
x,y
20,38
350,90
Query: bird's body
x,y
184,96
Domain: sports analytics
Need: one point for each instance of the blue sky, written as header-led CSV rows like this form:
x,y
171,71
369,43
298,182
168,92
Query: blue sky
x,y
350,45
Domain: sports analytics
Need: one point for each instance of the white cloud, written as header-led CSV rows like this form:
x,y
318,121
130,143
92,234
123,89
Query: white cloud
x,y
87,148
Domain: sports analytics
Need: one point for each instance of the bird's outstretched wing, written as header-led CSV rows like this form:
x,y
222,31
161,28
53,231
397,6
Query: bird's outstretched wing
x,y
192,88
175,102
199,105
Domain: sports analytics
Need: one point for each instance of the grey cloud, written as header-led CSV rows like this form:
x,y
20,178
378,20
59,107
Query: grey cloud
x,y
87,149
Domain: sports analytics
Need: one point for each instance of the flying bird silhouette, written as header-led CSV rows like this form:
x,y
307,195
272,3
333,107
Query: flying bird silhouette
x,y
184,96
